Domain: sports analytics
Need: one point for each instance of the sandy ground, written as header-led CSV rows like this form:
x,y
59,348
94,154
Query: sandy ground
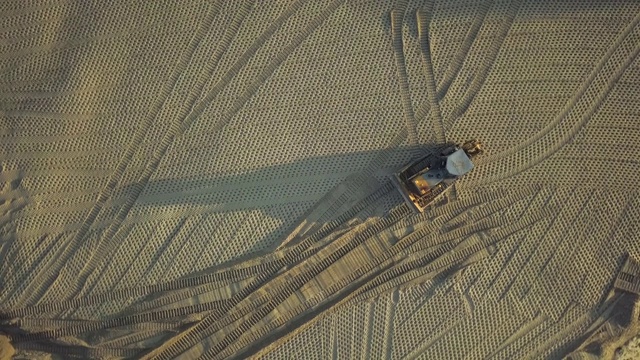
x,y
630,350
211,178
6,349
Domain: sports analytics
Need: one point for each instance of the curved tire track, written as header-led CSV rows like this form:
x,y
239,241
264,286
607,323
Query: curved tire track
x,y
487,64
434,104
575,115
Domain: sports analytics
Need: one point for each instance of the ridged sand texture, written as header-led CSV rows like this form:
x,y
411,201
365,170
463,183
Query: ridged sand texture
x,y
209,178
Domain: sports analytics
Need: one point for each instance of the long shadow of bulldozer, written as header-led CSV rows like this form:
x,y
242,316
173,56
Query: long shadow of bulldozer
x,y
296,196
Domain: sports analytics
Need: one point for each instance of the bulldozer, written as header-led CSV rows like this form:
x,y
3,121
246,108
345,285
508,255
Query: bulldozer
x,y
423,180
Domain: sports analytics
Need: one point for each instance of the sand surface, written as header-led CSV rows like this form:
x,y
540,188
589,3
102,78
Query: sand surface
x,y
211,178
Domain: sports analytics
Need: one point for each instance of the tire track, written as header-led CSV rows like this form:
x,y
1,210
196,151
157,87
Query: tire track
x,y
383,282
297,257
21,285
453,315
454,67
40,324
298,315
215,308
376,265
403,79
85,266
487,64
492,221
64,249
526,328
429,236
327,207
458,317
313,267
571,331
457,256
492,278
332,289
434,104
76,351
223,277
242,61
365,349
181,342
387,345
203,293
282,321
129,340
440,329
430,231
574,116
16,257
518,278
503,325
575,99
241,271
551,267
228,274
469,254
